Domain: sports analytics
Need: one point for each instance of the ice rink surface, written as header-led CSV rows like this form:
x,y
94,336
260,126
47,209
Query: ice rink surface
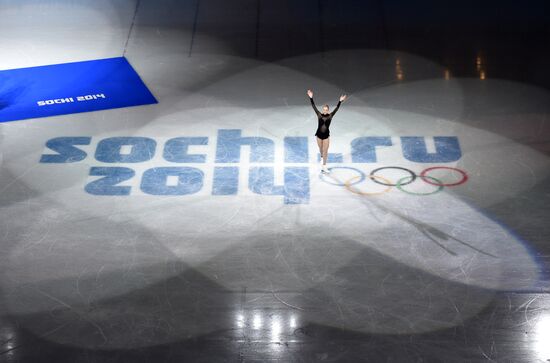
x,y
222,241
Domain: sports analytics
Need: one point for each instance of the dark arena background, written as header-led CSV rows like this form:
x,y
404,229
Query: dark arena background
x,y
162,197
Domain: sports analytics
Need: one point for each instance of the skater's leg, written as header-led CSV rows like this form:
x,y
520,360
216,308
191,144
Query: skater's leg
x,y
324,153
320,144
326,143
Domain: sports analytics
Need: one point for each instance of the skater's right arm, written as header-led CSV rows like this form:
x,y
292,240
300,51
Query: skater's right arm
x,y
310,94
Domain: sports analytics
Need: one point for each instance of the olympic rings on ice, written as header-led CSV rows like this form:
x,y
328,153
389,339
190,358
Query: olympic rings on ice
x,y
461,181
361,175
412,173
399,184
372,177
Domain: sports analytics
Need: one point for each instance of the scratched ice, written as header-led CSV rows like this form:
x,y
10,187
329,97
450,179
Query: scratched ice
x,y
257,214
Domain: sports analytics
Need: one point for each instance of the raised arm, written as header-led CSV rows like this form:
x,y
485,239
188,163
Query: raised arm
x,y
336,109
310,94
342,99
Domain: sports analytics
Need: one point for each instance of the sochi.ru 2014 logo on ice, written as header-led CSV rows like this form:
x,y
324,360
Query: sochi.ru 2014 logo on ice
x,y
180,179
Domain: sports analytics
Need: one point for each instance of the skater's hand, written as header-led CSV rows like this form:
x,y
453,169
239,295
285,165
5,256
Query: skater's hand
x,y
343,98
310,93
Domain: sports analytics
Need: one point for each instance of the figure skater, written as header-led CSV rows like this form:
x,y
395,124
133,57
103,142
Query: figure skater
x,y
323,134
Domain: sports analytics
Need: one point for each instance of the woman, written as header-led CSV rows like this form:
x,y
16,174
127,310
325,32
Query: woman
x,y
323,134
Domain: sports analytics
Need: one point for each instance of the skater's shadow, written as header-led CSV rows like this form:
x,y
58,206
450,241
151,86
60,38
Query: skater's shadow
x,y
435,235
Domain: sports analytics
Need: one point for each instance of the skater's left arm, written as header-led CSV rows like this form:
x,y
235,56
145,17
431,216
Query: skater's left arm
x,y
342,99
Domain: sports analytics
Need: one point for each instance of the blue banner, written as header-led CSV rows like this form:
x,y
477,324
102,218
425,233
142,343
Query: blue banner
x,y
68,88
